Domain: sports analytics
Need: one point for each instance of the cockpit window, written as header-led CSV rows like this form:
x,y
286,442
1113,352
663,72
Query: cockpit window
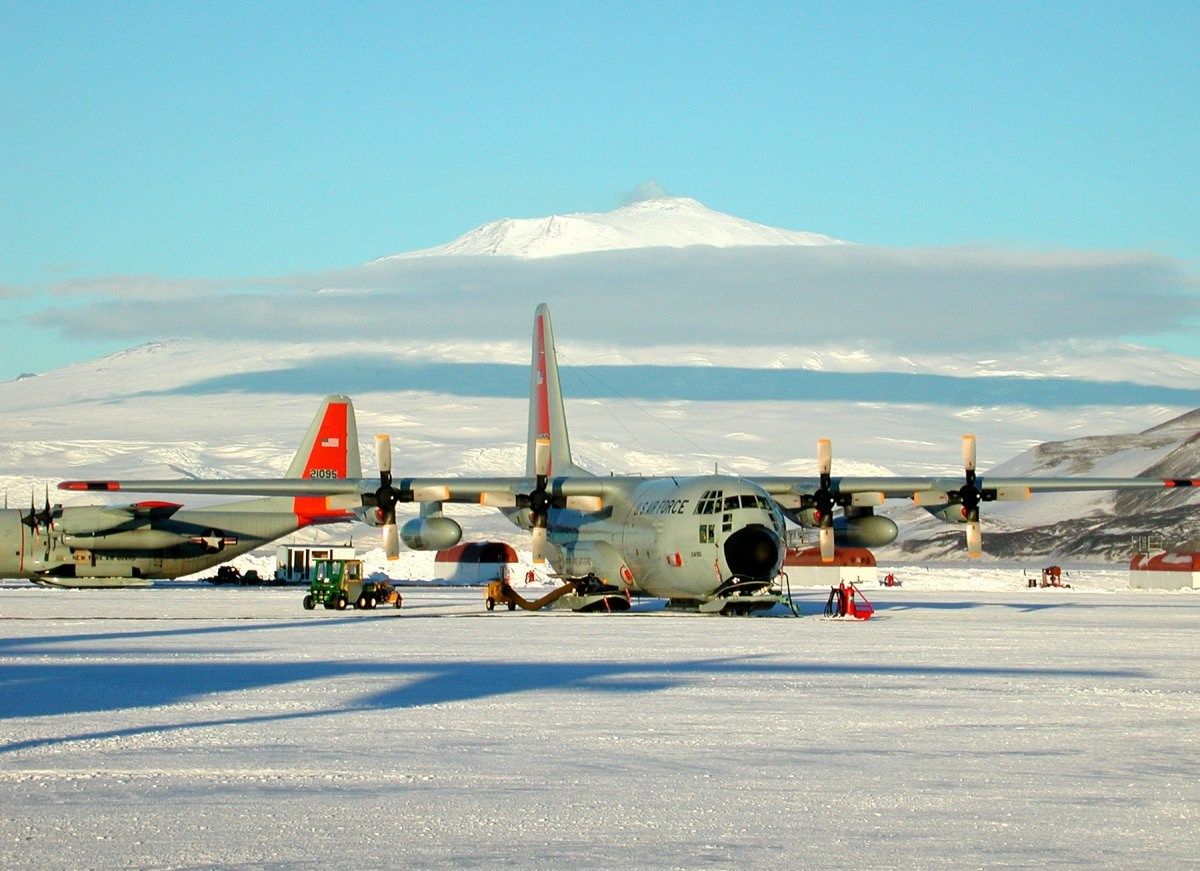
x,y
710,502
714,502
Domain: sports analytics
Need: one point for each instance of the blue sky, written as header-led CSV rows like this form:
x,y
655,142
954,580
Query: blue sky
x,y
221,140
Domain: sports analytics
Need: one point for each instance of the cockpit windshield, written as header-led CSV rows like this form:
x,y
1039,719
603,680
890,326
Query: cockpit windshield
x,y
715,502
710,502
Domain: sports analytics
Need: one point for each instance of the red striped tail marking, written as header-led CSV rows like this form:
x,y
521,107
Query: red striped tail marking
x,y
543,387
327,459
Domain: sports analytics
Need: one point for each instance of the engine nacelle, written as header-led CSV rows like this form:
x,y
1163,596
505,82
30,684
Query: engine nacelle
x,y
864,530
430,533
860,528
806,517
88,519
949,513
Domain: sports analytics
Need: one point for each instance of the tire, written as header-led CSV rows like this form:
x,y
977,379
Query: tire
x,y
371,602
340,604
490,604
363,603
399,602
309,604
512,606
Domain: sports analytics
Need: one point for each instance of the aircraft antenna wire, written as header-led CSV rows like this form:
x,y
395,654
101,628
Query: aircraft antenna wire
x,y
584,375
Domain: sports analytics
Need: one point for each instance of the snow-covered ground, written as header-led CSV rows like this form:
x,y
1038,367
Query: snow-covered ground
x,y
973,722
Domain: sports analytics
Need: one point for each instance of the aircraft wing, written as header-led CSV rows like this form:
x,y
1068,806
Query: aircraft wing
x,y
912,487
224,486
498,491
811,501
493,490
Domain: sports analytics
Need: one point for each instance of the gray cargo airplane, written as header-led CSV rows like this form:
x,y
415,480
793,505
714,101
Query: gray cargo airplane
x,y
130,545
715,542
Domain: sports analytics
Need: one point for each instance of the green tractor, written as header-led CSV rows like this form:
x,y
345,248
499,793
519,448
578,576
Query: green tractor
x,y
336,583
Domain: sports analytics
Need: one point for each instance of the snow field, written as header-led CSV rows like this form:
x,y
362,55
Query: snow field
x,y
189,725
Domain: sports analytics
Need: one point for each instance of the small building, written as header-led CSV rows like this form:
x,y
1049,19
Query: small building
x,y
805,567
293,562
1165,570
476,562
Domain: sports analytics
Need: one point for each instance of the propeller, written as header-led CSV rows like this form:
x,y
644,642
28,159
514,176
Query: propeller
x,y
538,500
970,497
31,519
386,497
823,501
36,519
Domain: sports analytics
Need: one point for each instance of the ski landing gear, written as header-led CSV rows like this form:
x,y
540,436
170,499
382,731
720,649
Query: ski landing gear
x,y
737,596
592,595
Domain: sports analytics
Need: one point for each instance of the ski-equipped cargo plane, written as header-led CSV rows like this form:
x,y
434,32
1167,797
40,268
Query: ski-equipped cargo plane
x,y
130,545
715,542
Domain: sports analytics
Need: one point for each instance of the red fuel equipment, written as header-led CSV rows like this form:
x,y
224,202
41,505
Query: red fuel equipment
x,y
847,600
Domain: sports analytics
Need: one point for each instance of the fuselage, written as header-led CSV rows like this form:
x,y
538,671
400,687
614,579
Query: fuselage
x,y
188,541
678,538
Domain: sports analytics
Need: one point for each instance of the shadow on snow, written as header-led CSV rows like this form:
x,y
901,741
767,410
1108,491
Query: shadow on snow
x,y
47,689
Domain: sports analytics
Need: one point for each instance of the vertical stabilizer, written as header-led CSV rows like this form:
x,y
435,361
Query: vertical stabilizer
x,y
329,450
547,420
330,447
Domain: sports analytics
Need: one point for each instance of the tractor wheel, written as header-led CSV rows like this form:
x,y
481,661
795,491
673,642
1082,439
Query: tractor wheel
x,y
490,604
309,604
512,606
340,604
372,602
399,601
362,603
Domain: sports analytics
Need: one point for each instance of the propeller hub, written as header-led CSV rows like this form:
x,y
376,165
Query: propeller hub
x,y
539,502
970,497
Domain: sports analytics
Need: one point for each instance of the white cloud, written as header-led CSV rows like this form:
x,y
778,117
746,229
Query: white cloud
x,y
906,300
136,287
647,190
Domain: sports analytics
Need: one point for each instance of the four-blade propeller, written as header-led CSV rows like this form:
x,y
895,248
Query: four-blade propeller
x,y
386,497
823,501
37,520
538,500
969,495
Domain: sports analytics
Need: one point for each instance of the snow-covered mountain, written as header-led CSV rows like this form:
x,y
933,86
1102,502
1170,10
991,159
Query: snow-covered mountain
x,y
662,222
1087,524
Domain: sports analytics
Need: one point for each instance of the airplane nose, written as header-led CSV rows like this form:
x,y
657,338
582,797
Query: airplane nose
x,y
753,553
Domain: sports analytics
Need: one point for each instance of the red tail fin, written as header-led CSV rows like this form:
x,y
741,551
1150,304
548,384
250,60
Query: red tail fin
x,y
329,450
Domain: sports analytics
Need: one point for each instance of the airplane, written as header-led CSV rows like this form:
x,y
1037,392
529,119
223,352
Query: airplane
x,y
706,542
131,545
